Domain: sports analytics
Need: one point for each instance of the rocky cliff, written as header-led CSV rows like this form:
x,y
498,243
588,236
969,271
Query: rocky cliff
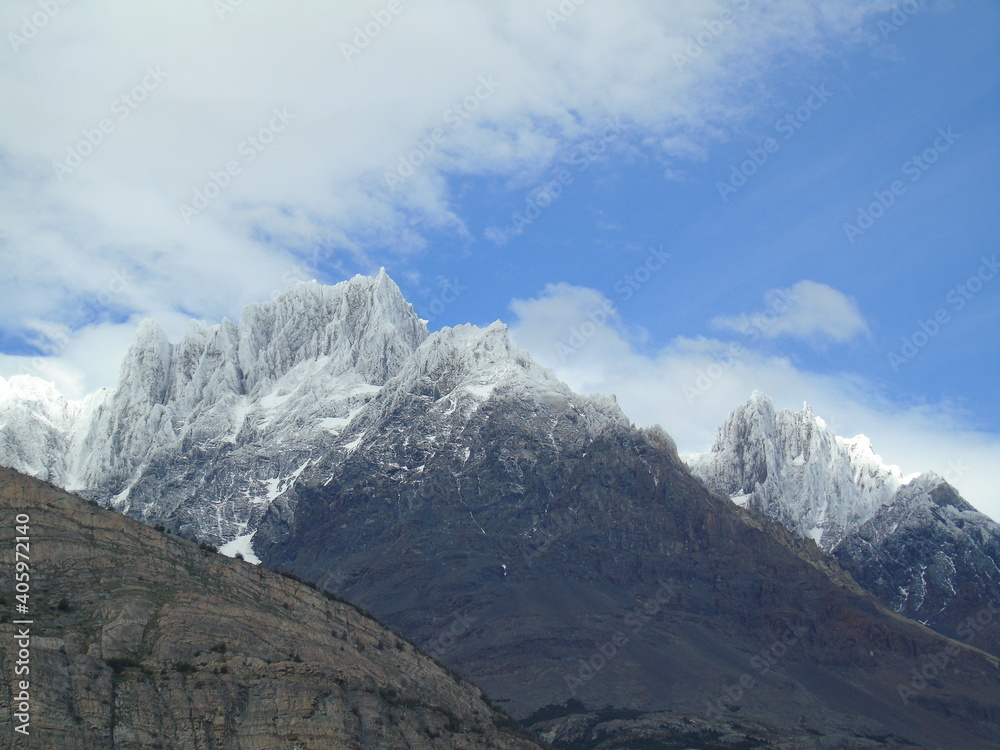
x,y
913,542
528,536
607,598
144,640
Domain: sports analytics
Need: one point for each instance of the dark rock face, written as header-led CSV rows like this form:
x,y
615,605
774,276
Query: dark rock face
x,y
143,640
551,569
527,535
916,545
932,557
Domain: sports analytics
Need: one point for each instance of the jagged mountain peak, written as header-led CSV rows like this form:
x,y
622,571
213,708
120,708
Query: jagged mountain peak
x,y
29,387
934,491
911,540
788,465
454,387
205,434
35,421
471,349
365,323
489,360
363,326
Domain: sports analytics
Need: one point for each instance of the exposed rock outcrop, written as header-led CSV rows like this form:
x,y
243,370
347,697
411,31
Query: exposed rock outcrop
x,y
144,640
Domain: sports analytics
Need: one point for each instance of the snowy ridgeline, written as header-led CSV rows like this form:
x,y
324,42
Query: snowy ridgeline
x,y
210,435
790,467
204,435
910,540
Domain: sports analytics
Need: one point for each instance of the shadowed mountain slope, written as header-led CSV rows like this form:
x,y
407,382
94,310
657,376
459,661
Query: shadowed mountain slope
x,y
144,640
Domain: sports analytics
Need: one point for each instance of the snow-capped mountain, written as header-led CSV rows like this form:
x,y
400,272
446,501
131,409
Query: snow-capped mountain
x,y
912,541
789,467
37,425
931,556
515,528
205,434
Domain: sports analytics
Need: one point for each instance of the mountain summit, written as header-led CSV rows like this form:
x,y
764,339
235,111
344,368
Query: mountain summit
x,y
203,435
528,536
912,541
789,467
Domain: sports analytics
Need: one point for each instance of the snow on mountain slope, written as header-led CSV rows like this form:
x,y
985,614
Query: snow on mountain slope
x,y
912,541
931,556
38,426
457,370
789,467
204,435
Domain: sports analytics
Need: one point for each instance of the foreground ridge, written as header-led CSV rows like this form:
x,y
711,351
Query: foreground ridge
x,y
142,640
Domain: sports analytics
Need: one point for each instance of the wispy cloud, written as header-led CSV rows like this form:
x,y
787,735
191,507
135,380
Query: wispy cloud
x,y
690,386
135,147
806,310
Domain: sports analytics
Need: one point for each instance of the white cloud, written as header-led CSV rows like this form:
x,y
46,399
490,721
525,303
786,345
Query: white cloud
x,y
691,385
217,83
807,310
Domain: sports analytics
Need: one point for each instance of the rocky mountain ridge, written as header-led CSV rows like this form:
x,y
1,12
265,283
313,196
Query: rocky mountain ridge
x,y
203,436
912,541
529,536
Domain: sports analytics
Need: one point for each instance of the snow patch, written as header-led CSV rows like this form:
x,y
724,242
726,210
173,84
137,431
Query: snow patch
x,y
242,545
279,486
482,390
336,425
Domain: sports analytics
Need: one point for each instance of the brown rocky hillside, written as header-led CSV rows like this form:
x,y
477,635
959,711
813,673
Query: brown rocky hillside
x,y
144,640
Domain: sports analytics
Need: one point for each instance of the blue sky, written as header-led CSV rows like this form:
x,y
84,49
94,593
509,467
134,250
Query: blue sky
x,y
637,111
